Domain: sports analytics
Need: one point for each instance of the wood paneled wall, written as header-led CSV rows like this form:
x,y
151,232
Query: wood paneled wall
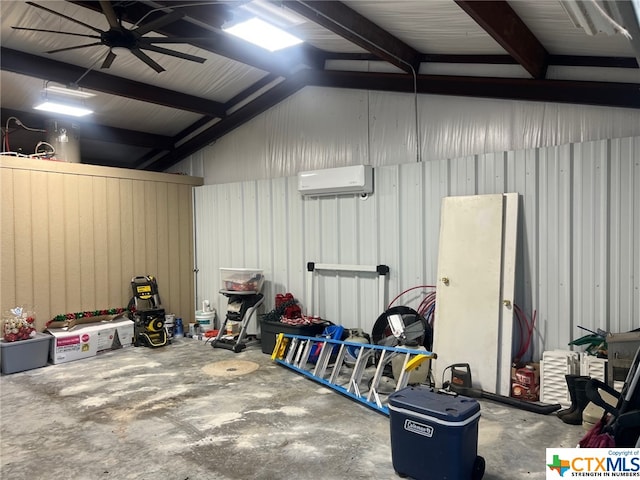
x,y
73,236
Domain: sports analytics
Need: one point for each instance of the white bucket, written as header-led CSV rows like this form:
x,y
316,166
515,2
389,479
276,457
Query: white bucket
x,y
169,319
206,320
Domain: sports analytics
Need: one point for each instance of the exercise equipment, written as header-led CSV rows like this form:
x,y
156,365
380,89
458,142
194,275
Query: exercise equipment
x,y
358,382
241,307
147,313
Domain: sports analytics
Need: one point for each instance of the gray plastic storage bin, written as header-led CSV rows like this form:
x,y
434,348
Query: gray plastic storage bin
x,y
24,354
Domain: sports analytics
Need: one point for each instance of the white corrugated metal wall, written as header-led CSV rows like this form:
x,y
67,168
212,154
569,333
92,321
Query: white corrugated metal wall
x,y
579,242
325,127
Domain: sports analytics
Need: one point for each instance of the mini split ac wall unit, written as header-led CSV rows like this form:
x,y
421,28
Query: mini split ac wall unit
x,y
356,179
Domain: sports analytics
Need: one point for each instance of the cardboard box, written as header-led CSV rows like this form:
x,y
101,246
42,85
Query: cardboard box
x,y
84,341
24,354
114,335
621,350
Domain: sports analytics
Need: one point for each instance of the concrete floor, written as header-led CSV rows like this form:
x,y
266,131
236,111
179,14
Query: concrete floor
x,y
190,412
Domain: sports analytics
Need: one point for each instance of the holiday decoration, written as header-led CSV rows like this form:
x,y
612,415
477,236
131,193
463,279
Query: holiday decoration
x,y
18,324
68,320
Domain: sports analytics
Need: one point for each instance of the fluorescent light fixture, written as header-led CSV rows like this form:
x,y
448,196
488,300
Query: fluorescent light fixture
x,y
62,108
263,34
68,91
275,14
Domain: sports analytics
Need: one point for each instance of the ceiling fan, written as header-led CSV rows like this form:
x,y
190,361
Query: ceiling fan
x,y
120,37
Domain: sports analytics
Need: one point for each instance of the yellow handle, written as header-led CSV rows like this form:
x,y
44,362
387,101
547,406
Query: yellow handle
x,y
416,361
280,347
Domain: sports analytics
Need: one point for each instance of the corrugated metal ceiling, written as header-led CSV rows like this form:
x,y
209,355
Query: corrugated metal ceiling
x,y
435,37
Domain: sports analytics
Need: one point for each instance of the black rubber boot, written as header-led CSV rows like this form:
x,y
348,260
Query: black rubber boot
x,y
571,386
575,417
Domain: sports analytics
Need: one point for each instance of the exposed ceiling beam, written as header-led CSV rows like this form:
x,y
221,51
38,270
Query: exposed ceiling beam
x,y
104,133
500,21
191,129
592,61
181,137
65,73
559,60
185,135
229,123
212,14
198,127
349,24
147,158
562,91
118,158
92,131
212,40
247,92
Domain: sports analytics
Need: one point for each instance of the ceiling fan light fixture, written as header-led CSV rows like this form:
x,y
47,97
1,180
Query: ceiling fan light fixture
x,y
263,34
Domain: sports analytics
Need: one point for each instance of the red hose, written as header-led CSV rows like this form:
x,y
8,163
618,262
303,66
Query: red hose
x,y
408,290
527,324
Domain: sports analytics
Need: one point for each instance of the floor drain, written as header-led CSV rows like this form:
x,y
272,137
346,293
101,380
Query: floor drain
x,y
229,368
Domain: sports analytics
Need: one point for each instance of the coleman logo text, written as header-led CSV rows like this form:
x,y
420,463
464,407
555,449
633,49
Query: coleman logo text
x,y
419,428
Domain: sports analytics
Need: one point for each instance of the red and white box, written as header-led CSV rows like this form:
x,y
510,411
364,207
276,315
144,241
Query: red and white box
x,y
84,341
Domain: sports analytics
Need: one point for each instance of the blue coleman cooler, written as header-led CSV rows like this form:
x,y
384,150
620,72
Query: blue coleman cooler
x,y
434,436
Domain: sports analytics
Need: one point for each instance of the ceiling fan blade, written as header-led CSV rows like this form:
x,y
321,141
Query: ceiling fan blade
x,y
158,23
108,11
73,48
71,19
108,60
173,53
56,31
147,59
